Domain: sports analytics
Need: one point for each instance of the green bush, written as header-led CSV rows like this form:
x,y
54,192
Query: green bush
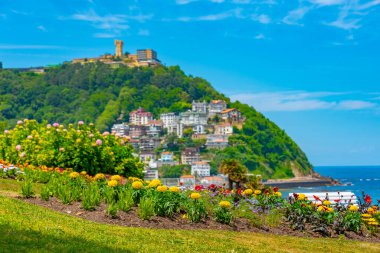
x,y
91,196
27,189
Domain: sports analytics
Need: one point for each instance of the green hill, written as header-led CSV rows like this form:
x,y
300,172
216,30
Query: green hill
x,y
101,94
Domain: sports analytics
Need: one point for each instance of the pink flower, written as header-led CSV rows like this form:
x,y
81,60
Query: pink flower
x,y
80,122
99,142
30,137
22,154
6,131
48,126
91,136
55,124
19,122
61,149
106,133
18,147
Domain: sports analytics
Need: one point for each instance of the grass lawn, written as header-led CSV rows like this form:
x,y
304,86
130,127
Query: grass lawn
x,y
29,228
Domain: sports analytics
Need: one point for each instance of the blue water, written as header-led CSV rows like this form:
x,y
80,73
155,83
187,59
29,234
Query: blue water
x,y
353,178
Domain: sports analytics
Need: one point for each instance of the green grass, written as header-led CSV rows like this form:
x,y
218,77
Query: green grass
x,y
29,228
9,187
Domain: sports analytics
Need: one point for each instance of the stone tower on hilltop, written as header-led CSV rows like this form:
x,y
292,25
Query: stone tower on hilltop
x,y
119,48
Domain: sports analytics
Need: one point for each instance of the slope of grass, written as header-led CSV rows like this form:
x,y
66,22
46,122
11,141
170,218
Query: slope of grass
x,y
29,228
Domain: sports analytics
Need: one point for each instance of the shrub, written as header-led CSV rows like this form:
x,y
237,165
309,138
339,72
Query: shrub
x,y
80,148
166,203
146,208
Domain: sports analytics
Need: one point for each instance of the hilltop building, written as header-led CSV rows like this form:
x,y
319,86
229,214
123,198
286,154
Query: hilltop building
x,y
190,155
143,57
201,169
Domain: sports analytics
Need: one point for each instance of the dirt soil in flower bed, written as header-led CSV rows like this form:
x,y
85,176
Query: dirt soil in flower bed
x,y
131,219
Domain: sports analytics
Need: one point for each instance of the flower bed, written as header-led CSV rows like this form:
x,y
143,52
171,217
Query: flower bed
x,y
119,200
79,147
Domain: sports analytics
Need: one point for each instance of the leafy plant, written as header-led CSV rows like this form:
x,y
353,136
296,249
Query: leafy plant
x,y
112,210
126,200
196,210
91,197
27,189
146,208
45,193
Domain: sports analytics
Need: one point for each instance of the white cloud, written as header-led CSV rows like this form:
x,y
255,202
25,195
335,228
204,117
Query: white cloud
x,y
260,36
355,105
294,16
42,28
112,24
214,17
143,32
18,46
327,2
263,19
106,35
301,101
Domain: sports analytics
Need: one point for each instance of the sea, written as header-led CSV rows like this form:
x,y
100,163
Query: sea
x,y
357,179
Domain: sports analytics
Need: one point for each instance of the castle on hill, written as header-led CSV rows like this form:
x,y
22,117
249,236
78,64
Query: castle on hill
x,y
143,57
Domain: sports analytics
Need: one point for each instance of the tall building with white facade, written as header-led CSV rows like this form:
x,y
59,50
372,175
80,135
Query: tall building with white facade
x,y
140,117
201,169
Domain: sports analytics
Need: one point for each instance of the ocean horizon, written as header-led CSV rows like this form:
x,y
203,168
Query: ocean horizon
x,y
357,179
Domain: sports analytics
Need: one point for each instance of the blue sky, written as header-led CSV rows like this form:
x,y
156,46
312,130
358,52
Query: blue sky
x,y
311,66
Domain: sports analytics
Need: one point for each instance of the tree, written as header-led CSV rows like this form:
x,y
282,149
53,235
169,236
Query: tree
x,y
235,171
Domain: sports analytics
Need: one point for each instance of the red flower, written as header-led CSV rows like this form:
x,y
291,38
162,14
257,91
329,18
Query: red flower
x,y
180,183
303,205
238,191
317,198
275,189
295,195
212,186
227,191
266,191
337,200
198,187
367,199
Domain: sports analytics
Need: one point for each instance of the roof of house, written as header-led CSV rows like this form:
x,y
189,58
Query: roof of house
x,y
187,176
228,110
200,162
217,101
214,178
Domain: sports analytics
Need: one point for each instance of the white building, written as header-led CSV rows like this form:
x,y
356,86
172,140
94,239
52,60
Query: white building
x,y
140,117
201,169
196,120
224,129
199,106
190,155
171,122
217,141
120,129
216,106
167,156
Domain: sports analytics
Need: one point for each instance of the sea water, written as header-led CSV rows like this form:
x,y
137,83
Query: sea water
x,y
356,179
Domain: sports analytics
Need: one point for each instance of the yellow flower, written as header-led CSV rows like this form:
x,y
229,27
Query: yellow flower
x,y
373,223
99,176
257,192
370,210
366,215
195,195
248,192
154,183
326,203
302,196
174,189
112,183
137,185
330,210
83,173
320,209
278,194
185,216
116,178
74,175
353,208
225,204
162,188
